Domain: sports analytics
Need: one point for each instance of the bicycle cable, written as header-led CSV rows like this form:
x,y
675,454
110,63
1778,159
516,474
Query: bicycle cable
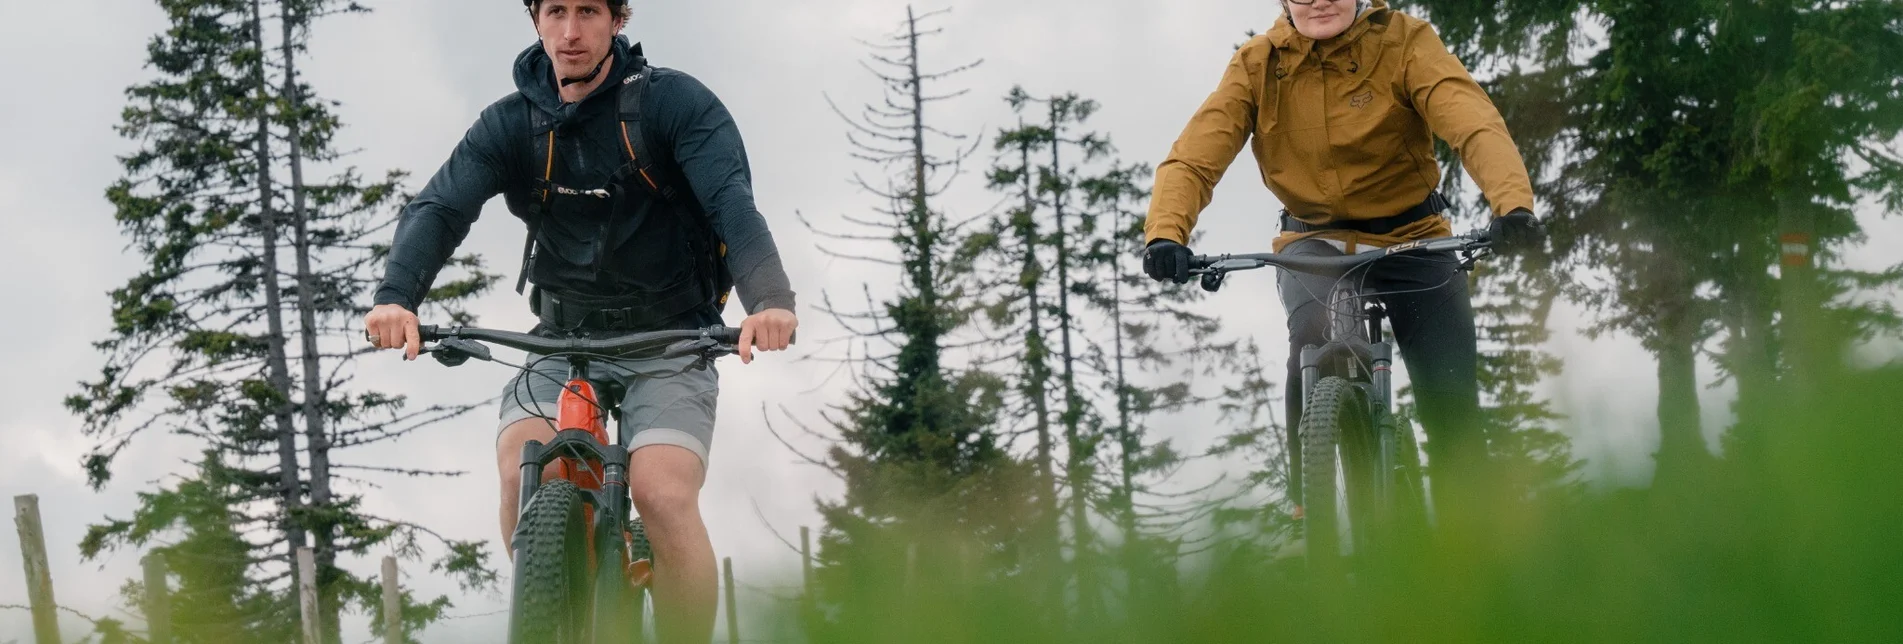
x,y
1330,306
1359,292
533,367
1450,279
571,452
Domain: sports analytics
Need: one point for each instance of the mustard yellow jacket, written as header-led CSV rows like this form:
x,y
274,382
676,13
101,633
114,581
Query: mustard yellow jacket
x,y
1343,130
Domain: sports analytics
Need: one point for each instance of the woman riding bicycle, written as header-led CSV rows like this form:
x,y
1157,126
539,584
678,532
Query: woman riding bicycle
x,y
1341,101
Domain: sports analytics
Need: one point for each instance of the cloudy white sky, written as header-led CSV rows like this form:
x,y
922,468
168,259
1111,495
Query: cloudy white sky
x,y
412,76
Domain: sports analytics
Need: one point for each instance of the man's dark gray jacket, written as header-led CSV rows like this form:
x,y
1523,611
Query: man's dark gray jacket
x,y
685,128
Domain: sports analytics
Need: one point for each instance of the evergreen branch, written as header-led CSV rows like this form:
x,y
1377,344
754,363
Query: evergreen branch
x,y
789,446
406,472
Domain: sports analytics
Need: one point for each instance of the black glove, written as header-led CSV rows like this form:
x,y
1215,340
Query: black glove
x,y
1515,231
1167,260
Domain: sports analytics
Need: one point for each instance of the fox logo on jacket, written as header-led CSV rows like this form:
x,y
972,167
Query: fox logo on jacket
x,y
1361,100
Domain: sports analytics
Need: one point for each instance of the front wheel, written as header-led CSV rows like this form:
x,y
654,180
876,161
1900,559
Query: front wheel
x,y
551,599
1340,480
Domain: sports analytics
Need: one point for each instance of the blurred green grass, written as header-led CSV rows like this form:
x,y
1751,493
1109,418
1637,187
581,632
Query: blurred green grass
x,y
1790,536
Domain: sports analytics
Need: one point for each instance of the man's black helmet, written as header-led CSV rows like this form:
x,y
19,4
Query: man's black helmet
x,y
612,4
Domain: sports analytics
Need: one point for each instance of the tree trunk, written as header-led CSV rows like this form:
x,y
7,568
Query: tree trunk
x,y
921,211
1076,456
1681,436
919,359
1126,511
1038,376
288,471
1797,287
1750,354
317,441
1031,276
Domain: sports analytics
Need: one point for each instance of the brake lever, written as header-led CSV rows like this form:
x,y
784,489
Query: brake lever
x,y
707,348
1212,280
1468,263
454,351
1472,257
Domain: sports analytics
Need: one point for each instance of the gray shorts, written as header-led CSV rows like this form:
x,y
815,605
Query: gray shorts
x,y
664,401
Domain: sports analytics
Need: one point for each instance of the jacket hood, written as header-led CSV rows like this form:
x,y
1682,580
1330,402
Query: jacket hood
x,y
535,78
1283,34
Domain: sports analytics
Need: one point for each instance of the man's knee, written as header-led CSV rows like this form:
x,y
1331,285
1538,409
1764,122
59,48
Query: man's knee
x,y
664,500
665,481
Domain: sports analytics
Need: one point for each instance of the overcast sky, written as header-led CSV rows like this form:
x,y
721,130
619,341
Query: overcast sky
x,y
411,78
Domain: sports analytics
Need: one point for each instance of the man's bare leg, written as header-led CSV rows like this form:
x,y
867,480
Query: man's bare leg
x,y
665,480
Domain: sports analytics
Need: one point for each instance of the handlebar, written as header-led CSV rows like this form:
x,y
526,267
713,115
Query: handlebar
x,y
1213,268
456,344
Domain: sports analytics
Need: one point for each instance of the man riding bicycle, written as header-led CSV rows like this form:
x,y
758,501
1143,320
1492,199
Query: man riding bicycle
x,y
1341,101
638,198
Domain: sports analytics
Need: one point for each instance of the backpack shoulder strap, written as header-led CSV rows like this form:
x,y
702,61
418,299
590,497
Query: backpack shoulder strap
x,y
662,184
632,106
541,147
542,155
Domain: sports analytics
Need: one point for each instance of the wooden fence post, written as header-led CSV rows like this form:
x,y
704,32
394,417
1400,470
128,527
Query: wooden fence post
x,y
307,595
806,561
39,578
733,609
392,604
158,601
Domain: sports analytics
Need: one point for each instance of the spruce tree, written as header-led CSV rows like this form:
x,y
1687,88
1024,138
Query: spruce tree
x,y
238,331
930,492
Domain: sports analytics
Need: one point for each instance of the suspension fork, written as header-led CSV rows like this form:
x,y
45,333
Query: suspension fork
x,y
531,471
1311,375
1381,408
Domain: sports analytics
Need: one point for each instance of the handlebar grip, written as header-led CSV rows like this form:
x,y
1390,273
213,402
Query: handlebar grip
x,y
731,335
429,333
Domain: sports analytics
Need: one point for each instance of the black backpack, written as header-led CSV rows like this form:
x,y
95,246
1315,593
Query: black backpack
x,y
711,265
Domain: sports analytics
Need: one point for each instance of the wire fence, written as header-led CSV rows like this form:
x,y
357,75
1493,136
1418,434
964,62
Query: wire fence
x,y
98,632
784,593
157,619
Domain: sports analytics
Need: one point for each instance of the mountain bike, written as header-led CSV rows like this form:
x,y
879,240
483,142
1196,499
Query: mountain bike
x,y
582,562
1356,472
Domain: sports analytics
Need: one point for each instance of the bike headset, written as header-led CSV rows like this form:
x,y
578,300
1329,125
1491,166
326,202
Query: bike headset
x,y
615,8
